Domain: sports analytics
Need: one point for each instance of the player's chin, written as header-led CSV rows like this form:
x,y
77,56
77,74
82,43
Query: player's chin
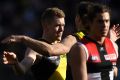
x,y
104,35
58,38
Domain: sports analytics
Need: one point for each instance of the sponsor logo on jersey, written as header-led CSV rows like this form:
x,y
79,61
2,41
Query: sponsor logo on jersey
x,y
110,56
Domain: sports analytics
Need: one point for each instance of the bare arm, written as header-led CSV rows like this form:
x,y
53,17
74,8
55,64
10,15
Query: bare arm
x,y
115,72
24,65
27,62
43,47
11,59
77,60
114,35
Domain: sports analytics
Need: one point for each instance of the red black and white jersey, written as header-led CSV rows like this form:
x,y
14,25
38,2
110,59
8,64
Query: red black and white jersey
x,y
100,59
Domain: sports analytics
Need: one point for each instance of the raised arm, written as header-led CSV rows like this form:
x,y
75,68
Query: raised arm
x,y
43,47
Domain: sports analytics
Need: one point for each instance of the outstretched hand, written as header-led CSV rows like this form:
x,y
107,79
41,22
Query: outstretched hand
x,y
9,58
114,32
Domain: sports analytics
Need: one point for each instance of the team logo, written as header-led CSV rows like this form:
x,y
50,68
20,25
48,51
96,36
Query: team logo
x,y
94,58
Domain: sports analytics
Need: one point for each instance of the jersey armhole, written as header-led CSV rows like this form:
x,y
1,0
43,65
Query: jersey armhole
x,y
115,47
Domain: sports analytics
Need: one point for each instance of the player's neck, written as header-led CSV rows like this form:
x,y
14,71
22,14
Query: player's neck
x,y
50,39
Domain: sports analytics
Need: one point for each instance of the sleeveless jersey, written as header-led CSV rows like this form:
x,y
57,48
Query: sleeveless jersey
x,y
100,67
100,59
50,68
60,72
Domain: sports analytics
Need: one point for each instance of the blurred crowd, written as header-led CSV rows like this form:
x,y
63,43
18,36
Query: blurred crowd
x,y
22,17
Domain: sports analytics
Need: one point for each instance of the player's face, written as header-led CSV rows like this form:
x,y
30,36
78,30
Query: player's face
x,y
57,28
100,25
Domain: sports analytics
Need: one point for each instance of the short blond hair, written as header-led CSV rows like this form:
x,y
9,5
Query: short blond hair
x,y
49,14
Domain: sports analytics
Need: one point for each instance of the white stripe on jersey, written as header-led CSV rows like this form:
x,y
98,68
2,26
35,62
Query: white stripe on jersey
x,y
97,76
